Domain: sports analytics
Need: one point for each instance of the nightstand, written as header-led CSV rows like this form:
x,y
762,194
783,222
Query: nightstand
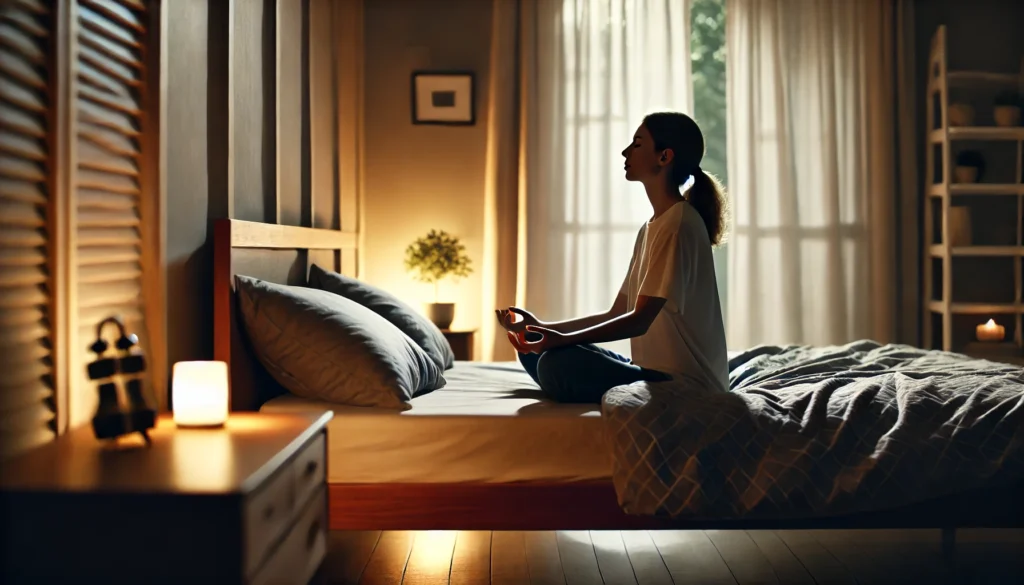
x,y
461,342
245,503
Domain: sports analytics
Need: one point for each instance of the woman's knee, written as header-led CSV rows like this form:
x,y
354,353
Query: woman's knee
x,y
555,371
552,372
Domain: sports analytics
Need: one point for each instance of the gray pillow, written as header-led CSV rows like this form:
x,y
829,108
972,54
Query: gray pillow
x,y
399,314
323,346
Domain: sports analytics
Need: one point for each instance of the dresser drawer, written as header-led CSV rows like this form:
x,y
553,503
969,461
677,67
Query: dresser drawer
x,y
271,510
310,469
303,549
267,515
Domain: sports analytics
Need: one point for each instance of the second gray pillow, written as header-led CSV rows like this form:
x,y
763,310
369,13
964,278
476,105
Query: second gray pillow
x,y
322,346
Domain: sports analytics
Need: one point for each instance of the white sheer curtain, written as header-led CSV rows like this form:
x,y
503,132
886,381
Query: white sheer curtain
x,y
811,171
603,65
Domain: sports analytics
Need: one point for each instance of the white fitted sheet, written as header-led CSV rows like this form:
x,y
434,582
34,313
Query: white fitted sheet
x,y
489,424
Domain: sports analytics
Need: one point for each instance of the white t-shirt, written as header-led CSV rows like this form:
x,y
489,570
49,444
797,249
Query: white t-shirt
x,y
672,260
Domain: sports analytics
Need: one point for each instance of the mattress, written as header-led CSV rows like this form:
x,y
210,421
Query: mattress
x,y
489,424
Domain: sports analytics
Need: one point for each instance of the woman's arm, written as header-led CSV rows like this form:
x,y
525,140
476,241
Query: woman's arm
x,y
579,324
628,325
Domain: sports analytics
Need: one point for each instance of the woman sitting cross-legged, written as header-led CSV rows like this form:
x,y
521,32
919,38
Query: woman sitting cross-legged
x,y
668,305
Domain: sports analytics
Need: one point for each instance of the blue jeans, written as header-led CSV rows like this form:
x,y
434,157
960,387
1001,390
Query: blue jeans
x,y
583,373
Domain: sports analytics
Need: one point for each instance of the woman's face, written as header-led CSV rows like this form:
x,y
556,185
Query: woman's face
x,y
643,162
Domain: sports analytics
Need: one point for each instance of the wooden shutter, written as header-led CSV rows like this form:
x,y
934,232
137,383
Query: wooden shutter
x,y
109,103
27,398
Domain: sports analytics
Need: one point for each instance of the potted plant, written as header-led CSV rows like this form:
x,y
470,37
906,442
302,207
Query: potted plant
x,y
432,258
969,166
1007,109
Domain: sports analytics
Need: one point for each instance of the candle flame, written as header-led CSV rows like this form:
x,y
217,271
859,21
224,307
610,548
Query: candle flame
x,y
991,323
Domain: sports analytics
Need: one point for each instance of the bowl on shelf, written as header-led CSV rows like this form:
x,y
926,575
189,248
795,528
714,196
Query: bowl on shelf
x,y
960,115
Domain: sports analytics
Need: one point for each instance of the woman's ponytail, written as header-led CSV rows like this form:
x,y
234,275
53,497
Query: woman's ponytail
x,y
678,132
707,196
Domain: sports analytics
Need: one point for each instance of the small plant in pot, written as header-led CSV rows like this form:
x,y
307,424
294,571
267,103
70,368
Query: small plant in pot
x,y
432,258
1007,109
969,167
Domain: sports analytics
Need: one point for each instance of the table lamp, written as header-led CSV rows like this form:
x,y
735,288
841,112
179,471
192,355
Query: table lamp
x,y
199,394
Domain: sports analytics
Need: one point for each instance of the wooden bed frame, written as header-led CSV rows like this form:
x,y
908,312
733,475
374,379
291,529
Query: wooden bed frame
x,y
283,255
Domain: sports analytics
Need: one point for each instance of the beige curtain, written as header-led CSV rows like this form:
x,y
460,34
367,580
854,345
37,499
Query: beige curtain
x,y
812,171
570,81
511,69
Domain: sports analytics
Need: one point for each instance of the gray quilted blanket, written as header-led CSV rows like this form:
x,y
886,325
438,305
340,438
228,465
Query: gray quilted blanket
x,y
818,431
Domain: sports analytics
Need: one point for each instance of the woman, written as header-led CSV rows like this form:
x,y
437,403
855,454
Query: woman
x,y
668,304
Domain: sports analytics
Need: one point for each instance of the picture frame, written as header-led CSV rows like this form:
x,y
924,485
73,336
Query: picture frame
x,y
446,98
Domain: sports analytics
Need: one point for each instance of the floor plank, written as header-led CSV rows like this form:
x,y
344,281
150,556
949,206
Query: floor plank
x,y
348,552
389,558
542,558
612,558
746,562
691,558
783,561
818,561
430,562
471,561
508,558
648,565
578,559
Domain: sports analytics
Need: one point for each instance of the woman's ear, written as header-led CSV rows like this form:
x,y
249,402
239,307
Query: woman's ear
x,y
666,156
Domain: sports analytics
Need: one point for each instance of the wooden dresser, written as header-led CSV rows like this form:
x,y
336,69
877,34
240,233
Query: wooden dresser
x,y
246,503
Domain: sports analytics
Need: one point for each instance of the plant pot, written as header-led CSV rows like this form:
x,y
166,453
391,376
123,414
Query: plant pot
x,y
960,115
964,174
441,314
1007,116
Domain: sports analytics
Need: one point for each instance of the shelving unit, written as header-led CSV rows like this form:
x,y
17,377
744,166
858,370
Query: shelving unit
x,y
941,188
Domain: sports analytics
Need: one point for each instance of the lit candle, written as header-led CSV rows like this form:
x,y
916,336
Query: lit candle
x,y
199,394
990,331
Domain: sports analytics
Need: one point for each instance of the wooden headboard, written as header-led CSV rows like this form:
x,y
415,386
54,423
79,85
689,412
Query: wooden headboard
x,y
274,253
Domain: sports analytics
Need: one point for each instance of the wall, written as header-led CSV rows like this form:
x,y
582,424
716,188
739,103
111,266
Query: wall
x,y
233,144
420,177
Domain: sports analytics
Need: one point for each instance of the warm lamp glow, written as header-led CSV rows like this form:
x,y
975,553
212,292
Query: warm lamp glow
x,y
200,394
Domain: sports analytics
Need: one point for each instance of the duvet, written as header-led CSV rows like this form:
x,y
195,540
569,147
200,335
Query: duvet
x,y
811,431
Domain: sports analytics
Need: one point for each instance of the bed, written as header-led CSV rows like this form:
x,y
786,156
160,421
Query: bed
x,y
486,452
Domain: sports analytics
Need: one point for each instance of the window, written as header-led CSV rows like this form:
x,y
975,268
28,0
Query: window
x,y
620,60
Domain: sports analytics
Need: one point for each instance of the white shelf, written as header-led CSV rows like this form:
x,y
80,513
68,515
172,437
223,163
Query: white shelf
x,y
994,251
939,282
977,308
979,133
980,189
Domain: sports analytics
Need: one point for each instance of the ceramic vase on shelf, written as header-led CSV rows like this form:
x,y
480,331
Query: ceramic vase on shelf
x,y
960,225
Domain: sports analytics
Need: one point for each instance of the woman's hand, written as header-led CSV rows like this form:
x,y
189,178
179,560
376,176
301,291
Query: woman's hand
x,y
550,339
506,317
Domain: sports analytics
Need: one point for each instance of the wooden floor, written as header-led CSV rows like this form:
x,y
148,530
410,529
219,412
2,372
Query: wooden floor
x,y
639,557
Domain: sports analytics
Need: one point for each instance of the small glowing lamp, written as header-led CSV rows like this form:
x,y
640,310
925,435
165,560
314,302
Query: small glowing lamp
x,y
199,394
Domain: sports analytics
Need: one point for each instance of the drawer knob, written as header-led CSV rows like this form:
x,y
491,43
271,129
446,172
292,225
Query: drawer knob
x,y
311,467
268,512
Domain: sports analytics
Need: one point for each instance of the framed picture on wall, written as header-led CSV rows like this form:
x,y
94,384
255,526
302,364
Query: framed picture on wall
x,y
443,97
